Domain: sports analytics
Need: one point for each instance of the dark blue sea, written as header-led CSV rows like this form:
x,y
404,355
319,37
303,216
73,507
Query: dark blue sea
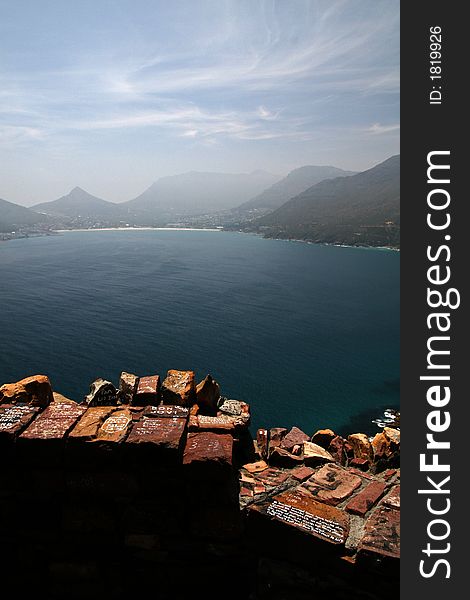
x,y
307,334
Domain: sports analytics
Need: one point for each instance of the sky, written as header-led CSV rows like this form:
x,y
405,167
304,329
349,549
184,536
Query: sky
x,y
110,95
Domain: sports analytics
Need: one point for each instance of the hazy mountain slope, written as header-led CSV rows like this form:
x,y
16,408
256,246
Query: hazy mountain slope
x,y
78,202
196,192
13,216
293,184
360,209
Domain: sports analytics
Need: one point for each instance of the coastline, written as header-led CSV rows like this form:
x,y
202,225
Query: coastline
x,y
209,229
139,229
387,248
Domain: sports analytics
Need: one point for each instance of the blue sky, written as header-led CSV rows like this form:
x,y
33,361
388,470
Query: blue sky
x,y
111,95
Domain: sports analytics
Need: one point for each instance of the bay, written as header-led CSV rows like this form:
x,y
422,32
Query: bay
x,y
307,334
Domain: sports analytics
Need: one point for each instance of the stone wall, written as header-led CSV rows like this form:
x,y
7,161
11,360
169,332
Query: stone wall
x,y
158,486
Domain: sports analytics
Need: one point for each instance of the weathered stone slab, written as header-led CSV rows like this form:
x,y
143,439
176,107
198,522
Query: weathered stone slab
x,y
14,418
54,423
388,474
88,426
272,476
392,499
298,509
361,473
359,463
362,502
148,391
302,473
114,429
314,454
179,388
102,393
164,436
207,396
166,411
295,437
127,387
382,534
332,484
256,467
206,447
217,424
35,390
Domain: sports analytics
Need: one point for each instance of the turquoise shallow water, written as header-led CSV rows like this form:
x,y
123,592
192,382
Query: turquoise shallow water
x,y
309,335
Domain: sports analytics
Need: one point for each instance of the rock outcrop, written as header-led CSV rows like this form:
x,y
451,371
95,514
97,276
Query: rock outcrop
x,y
179,388
148,488
102,393
35,390
207,396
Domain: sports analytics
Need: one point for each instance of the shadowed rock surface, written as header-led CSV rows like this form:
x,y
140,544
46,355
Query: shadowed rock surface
x,y
113,500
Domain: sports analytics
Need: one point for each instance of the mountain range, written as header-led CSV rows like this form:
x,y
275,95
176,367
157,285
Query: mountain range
x,y
13,216
333,206
78,203
362,209
195,193
169,198
294,183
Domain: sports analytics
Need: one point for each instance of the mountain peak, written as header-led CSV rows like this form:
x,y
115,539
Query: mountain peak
x,y
293,183
78,202
363,209
77,190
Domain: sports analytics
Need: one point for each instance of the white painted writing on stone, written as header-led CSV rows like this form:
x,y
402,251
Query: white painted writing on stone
x,y
301,518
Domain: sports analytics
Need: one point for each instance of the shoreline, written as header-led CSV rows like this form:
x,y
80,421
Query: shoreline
x,y
388,248
210,229
139,229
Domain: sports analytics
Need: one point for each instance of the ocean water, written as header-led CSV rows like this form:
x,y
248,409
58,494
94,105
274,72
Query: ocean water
x,y
307,334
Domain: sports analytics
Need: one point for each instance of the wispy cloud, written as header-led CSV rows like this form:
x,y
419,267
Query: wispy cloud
x,y
378,129
200,73
324,55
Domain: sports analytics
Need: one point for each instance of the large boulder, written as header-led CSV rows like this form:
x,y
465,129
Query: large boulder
x,y
147,392
179,388
386,449
102,393
207,396
323,437
381,447
361,446
393,436
127,387
35,390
